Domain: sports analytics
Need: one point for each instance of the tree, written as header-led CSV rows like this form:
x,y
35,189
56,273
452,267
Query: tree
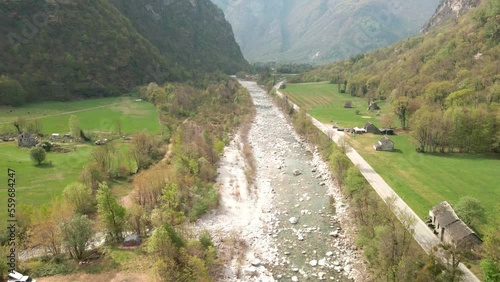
x,y
137,218
111,214
76,235
45,230
470,210
74,126
400,106
38,155
80,197
491,250
145,149
171,201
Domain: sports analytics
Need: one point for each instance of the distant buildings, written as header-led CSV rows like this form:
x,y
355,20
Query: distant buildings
x,y
384,144
450,229
26,140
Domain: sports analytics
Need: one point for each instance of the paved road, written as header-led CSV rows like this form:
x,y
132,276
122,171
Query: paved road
x,y
423,235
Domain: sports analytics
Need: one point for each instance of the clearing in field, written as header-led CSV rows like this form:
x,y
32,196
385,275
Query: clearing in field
x,y
422,180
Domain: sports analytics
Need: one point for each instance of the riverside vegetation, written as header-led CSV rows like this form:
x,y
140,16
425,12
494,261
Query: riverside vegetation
x,y
387,243
195,123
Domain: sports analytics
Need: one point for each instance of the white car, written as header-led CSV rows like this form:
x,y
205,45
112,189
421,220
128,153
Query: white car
x,y
18,277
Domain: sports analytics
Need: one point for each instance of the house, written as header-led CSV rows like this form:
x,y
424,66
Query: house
x,y
387,131
15,276
384,144
451,229
26,140
373,107
371,128
132,240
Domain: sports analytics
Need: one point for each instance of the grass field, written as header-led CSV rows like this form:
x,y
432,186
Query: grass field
x,y
38,185
323,101
94,115
422,180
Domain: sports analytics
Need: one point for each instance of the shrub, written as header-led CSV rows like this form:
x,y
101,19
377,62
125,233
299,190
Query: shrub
x,y
38,155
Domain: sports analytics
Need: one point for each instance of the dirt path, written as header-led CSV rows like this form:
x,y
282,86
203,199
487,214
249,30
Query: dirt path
x,y
103,277
423,235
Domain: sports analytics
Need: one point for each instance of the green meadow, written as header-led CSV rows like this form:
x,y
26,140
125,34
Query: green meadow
x,y
101,115
422,180
324,102
38,185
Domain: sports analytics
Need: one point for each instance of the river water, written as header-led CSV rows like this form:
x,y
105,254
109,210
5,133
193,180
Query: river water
x,y
292,217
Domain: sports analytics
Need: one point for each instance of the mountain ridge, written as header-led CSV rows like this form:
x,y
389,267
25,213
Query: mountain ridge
x,y
321,31
449,9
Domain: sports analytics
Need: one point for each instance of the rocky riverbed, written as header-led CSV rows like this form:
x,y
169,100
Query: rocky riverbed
x,y
291,224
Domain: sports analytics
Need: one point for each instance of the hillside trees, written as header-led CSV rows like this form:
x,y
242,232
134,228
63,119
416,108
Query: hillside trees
x,y
11,92
452,71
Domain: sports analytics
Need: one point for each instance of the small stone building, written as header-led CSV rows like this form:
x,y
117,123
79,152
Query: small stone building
x,y
452,230
26,140
373,107
371,128
384,144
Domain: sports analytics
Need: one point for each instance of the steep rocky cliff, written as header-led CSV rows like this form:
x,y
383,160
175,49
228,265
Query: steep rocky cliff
x,y
448,10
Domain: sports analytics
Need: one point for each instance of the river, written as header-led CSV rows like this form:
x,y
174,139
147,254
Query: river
x,y
292,219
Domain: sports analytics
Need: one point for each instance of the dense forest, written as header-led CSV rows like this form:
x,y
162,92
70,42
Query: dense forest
x,y
442,85
194,34
66,50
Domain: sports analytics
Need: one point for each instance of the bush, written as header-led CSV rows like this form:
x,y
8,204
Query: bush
x,y
38,155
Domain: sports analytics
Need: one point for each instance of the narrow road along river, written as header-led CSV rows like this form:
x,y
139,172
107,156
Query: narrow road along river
x,y
291,218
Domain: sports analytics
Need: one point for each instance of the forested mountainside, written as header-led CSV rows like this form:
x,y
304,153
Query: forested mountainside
x,y
444,85
321,31
61,50
193,34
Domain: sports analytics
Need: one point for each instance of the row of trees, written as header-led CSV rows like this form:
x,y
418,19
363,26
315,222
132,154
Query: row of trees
x,y
461,129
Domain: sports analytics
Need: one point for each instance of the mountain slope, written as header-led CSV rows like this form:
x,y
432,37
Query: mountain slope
x,y
194,33
446,80
321,31
62,50
449,9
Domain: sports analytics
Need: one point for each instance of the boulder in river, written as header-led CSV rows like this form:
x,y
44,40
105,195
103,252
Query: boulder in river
x,y
293,220
297,172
